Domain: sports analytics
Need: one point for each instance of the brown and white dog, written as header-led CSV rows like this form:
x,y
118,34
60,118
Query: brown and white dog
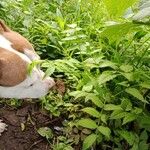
x,y
16,53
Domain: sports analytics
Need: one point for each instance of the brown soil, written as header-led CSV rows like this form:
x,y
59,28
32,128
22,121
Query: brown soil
x,y
30,117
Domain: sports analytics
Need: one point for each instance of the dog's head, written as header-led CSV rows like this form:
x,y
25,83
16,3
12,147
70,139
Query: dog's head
x,y
16,53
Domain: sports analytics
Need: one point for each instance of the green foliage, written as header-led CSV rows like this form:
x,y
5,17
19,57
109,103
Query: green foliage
x,y
105,66
45,132
116,8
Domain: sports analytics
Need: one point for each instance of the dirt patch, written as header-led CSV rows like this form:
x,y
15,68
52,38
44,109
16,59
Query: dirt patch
x,y
22,128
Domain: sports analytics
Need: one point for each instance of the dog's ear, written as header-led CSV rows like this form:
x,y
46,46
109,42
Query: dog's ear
x,y
4,27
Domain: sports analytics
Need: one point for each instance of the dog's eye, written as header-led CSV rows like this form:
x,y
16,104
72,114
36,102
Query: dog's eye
x,y
31,85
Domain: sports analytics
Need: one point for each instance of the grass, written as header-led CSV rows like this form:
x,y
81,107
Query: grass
x,y
104,64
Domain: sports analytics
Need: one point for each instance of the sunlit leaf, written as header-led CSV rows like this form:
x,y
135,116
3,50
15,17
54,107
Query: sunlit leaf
x,y
89,141
92,111
105,131
87,123
134,92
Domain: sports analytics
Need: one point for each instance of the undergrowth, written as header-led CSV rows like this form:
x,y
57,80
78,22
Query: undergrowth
x,y
103,57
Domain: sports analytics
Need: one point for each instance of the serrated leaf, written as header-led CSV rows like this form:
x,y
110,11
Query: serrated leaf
x,y
128,118
94,99
144,136
104,118
117,32
106,76
145,85
45,132
108,64
112,107
91,111
134,92
117,114
128,75
49,71
128,136
89,141
126,68
78,94
87,123
105,131
126,104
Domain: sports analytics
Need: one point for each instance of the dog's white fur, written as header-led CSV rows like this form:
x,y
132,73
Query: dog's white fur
x,y
34,86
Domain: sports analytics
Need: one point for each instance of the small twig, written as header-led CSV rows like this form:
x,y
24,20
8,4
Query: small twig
x,y
35,143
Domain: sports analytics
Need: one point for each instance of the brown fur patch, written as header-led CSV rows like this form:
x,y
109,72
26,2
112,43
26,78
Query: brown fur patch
x,y
13,70
19,42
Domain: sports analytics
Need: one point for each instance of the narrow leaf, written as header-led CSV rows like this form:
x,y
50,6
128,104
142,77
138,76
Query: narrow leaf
x,y
106,76
89,141
134,92
112,107
128,118
87,123
91,111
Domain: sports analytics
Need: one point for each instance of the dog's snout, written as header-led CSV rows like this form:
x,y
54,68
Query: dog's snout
x,y
50,82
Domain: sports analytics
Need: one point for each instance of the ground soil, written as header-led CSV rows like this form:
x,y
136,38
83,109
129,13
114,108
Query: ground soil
x,y
23,123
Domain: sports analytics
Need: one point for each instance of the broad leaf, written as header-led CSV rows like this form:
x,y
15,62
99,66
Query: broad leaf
x,y
45,132
94,99
117,32
126,68
128,118
116,8
87,123
89,141
112,107
128,136
78,94
105,131
106,76
91,111
117,114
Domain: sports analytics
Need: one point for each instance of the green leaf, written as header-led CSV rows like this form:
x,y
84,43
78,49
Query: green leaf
x,y
117,8
117,32
128,75
117,114
87,123
78,94
89,141
145,85
126,104
105,131
106,76
32,65
94,99
126,68
128,136
91,111
144,136
128,118
104,118
112,107
49,71
45,132
134,92
107,63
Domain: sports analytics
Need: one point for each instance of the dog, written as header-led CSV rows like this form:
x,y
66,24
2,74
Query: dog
x,y
16,53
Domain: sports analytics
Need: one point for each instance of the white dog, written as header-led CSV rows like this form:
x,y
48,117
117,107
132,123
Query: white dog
x,y
16,53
